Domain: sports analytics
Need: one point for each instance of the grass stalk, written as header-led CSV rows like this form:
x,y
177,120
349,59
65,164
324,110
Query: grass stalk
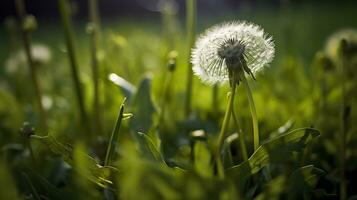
x,y
26,39
69,36
223,131
94,21
191,32
253,111
114,138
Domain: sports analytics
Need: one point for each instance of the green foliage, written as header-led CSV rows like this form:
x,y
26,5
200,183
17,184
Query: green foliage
x,y
97,174
273,151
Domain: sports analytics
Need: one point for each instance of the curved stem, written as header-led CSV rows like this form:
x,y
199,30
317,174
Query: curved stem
x,y
222,133
253,112
240,136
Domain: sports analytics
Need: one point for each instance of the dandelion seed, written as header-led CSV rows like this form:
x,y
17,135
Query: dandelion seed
x,y
41,55
226,47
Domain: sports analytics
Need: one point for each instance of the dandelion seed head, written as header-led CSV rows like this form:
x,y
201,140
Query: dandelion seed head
x,y
333,43
41,54
230,42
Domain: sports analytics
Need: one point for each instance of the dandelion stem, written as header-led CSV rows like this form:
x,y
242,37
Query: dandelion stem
x,y
68,30
94,20
26,39
343,121
241,137
223,131
191,31
253,112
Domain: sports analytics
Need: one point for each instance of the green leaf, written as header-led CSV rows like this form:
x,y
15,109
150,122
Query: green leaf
x,y
203,159
114,137
303,180
148,147
127,116
274,150
143,108
98,173
127,88
82,166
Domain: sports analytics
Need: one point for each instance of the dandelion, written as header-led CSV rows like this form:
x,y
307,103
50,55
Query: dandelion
x,y
332,48
225,48
41,55
341,48
225,53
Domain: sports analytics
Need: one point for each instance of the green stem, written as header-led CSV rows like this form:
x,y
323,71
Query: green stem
x,y
253,112
29,146
241,137
191,31
68,30
93,18
343,125
26,38
223,131
167,86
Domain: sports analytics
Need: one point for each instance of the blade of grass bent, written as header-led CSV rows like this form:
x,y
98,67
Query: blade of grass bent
x,y
114,137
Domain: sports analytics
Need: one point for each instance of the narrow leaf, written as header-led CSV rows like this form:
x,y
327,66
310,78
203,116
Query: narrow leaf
x,y
114,137
148,146
203,159
143,108
303,180
274,150
98,173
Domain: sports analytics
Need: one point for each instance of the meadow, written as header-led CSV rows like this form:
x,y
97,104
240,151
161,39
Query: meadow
x,y
110,109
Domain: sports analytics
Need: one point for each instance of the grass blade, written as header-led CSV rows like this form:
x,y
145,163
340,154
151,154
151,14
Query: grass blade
x,y
114,137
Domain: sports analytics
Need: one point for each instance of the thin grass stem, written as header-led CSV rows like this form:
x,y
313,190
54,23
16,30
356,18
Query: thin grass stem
x,y
69,36
191,31
26,39
94,20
